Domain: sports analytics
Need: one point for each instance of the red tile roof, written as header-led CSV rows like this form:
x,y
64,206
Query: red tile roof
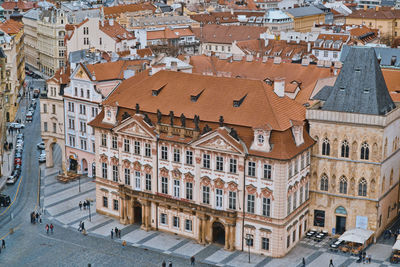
x,y
11,27
113,70
115,11
21,5
116,31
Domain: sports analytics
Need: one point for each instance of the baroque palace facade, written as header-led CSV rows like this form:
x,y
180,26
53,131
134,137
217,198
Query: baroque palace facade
x,y
210,158
355,164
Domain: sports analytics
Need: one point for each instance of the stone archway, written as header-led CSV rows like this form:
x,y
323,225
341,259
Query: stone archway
x,y
54,156
218,233
84,167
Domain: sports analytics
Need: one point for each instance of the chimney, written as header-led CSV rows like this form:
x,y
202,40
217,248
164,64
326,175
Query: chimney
x,y
365,7
174,66
377,8
308,47
279,87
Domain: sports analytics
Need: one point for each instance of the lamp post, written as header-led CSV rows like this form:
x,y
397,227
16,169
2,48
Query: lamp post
x,y
249,241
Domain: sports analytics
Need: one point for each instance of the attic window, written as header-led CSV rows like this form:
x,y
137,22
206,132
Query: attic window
x,y
366,90
158,91
194,98
357,69
237,103
342,88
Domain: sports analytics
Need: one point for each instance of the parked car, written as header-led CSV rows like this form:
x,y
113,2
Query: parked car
x,y
19,150
17,167
17,125
40,145
18,155
4,200
31,109
20,136
42,158
13,177
19,146
17,161
29,116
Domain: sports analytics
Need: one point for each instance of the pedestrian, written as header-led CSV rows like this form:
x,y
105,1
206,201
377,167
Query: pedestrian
x,y
37,216
116,232
80,226
119,233
84,205
331,263
83,226
51,228
3,243
163,264
112,233
192,260
369,258
47,228
304,262
170,264
80,205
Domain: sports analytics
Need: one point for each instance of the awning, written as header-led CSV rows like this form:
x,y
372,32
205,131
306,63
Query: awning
x,y
396,245
356,235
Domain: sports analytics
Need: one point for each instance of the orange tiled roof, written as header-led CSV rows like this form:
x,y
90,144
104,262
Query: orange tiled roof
x,y
227,34
115,11
21,5
372,13
145,52
306,75
11,27
116,31
392,79
112,70
217,98
168,33
62,76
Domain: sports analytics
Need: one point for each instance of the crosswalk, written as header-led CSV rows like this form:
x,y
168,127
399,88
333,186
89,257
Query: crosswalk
x,y
61,204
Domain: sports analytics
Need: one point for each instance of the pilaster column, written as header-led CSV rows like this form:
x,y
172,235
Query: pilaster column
x,y
129,212
227,234
200,233
203,230
122,218
232,237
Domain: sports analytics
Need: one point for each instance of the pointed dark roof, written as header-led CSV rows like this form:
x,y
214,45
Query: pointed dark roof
x,y
360,86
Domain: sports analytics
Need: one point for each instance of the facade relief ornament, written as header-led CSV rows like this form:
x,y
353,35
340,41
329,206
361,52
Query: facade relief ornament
x,y
251,189
147,168
189,177
198,160
164,172
114,160
126,163
137,166
266,192
219,183
205,180
176,174
232,186
103,158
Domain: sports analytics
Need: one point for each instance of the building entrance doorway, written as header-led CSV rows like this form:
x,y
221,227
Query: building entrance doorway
x,y
340,224
218,231
73,164
137,212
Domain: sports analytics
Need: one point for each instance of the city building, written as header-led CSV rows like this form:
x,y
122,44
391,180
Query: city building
x,y
4,106
275,20
222,164
50,40
89,85
12,42
328,47
100,34
9,7
52,116
306,17
172,40
30,20
123,14
220,39
384,19
157,22
355,161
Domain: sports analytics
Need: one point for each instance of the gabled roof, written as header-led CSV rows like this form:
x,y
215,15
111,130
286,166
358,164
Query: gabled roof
x,y
21,5
11,27
115,11
115,31
360,86
112,70
304,11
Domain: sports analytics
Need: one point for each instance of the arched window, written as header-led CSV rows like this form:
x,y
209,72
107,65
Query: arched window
x,y
345,149
343,185
362,187
365,151
324,183
326,148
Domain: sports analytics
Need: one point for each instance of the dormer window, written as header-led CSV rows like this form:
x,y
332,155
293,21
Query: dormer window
x,y
108,114
260,139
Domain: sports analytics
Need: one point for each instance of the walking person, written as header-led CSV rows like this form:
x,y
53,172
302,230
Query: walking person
x,y
3,243
163,264
47,228
116,232
304,262
170,264
84,205
80,205
80,226
192,260
51,228
83,226
112,233
119,233
37,217
331,263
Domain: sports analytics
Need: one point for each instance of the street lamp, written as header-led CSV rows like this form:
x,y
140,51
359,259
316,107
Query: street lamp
x,y
249,242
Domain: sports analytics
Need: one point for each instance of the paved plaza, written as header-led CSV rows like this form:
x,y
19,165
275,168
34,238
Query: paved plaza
x,y
60,202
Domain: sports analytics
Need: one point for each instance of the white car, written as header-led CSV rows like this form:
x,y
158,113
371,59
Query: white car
x,y
20,141
19,146
17,125
41,146
42,158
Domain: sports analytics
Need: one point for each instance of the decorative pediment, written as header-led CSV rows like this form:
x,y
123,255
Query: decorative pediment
x,y
164,172
266,192
219,143
126,163
189,177
137,166
81,74
232,186
147,168
205,180
176,174
114,160
134,128
219,183
104,158
251,189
